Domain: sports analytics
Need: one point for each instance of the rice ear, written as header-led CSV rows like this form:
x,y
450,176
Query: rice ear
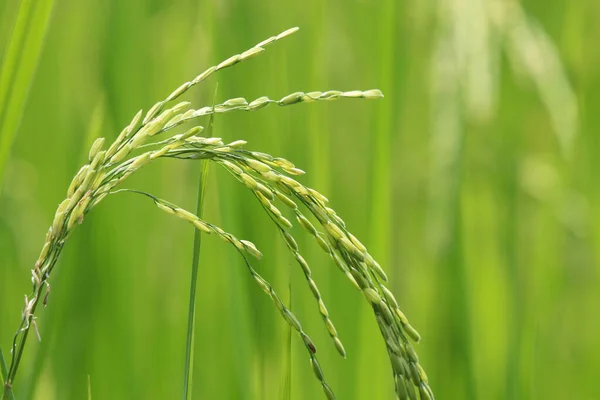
x,y
269,179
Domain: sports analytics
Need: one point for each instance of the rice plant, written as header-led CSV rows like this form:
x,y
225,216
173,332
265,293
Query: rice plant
x,y
270,179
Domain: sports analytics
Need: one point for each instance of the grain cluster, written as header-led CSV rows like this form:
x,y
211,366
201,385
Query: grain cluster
x,y
156,134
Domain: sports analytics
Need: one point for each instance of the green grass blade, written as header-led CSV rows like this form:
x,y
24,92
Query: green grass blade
x,y
3,369
18,69
189,348
8,394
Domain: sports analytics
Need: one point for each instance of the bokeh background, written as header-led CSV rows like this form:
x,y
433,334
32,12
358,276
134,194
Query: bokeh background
x,y
473,182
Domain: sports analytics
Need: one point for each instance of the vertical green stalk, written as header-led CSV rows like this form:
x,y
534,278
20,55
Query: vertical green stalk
x,y
189,345
279,136
8,394
511,151
3,369
379,229
513,365
18,69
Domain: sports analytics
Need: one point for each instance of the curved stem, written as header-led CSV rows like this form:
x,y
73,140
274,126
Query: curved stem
x,y
17,360
20,338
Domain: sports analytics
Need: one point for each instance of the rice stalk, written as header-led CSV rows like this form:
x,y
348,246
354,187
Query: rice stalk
x,y
89,387
189,346
3,369
380,223
270,180
8,394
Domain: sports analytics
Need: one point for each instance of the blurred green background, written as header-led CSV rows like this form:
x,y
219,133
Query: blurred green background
x,y
472,182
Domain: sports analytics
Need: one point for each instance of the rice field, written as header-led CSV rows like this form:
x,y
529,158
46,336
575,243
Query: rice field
x,y
471,183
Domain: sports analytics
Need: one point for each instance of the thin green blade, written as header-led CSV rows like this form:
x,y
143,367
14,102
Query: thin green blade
x,y
8,393
3,369
189,349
